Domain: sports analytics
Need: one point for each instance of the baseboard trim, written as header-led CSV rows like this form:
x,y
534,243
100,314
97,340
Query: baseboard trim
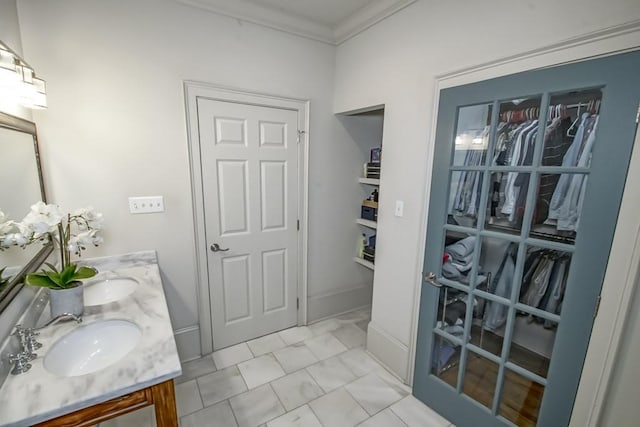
x,y
188,343
388,350
335,303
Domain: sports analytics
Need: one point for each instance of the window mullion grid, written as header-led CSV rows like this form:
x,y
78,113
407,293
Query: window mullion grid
x,y
481,214
530,204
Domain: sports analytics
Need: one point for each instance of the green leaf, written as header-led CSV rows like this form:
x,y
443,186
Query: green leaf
x,y
42,280
54,277
52,267
67,274
84,273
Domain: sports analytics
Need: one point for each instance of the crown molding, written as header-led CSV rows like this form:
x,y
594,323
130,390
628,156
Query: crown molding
x,y
366,17
300,26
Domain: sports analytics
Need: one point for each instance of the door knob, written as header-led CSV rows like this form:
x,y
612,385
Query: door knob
x,y
430,278
216,248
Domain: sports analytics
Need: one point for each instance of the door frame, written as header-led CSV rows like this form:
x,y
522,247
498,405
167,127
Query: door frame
x,y
623,267
192,91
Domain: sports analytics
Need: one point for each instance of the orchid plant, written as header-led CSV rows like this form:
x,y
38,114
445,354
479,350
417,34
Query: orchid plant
x,y
70,232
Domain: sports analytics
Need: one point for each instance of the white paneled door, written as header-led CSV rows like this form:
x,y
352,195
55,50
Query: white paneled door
x,y
249,167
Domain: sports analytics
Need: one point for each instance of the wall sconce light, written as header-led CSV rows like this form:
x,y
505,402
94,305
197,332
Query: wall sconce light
x,y
18,81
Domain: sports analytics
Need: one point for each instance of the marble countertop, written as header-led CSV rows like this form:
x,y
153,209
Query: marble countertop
x,y
39,395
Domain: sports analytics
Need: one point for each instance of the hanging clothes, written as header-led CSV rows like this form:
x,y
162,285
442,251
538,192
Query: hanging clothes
x,y
557,284
520,151
466,199
539,282
556,145
566,202
496,314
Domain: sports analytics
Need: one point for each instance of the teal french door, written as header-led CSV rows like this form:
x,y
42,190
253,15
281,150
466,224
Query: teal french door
x,y
529,171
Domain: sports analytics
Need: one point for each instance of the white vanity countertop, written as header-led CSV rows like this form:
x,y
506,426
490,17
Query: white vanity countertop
x,y
39,395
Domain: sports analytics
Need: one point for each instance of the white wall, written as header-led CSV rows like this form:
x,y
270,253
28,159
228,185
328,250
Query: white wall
x,y
395,63
10,35
621,405
115,126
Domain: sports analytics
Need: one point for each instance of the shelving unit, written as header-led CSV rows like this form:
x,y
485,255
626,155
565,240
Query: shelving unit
x,y
364,263
367,223
369,181
365,129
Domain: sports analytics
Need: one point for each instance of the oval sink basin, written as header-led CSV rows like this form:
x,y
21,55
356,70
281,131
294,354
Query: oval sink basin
x,y
92,347
109,290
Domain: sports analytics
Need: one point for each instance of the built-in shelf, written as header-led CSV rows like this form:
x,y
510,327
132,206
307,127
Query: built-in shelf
x,y
370,181
367,223
364,262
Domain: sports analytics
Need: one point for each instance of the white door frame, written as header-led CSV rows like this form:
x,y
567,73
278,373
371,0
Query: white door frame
x,y
624,260
192,91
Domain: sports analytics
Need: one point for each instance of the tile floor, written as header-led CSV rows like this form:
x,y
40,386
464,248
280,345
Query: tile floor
x,y
315,376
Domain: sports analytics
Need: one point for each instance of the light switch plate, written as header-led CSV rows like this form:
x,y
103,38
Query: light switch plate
x,y
146,204
399,208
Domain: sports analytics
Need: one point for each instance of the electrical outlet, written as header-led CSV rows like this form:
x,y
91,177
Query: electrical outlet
x,y
146,204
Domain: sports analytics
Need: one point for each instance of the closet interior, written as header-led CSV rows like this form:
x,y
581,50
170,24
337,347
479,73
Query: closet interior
x,y
532,192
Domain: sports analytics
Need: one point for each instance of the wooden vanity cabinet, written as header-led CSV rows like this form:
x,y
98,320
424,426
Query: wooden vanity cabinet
x,y
161,395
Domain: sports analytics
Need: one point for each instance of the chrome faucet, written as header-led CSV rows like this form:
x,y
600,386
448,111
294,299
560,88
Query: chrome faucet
x,y
61,317
29,345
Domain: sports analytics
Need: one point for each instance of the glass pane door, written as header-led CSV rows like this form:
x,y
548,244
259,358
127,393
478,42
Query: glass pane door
x,y
519,250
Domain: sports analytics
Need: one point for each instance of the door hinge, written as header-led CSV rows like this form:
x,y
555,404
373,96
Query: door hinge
x,y
595,311
298,224
300,133
298,303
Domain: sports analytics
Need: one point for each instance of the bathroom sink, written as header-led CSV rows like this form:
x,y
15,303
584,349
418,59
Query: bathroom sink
x,y
92,347
104,291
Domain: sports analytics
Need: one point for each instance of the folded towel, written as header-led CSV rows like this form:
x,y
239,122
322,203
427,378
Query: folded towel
x,y
461,249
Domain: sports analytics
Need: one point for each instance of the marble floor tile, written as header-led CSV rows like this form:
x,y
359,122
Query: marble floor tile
x,y
219,414
266,344
372,393
350,335
338,409
294,357
360,362
325,346
232,355
416,414
324,326
187,398
301,417
355,316
196,368
385,418
256,406
394,382
221,385
260,370
296,334
144,417
331,374
296,389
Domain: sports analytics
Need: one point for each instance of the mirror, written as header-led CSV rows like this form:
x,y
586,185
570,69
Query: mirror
x,y
21,185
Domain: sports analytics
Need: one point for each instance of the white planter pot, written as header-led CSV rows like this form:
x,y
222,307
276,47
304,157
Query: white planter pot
x,y
69,301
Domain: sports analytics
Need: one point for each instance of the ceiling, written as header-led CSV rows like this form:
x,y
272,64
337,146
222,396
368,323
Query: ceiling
x,y
329,21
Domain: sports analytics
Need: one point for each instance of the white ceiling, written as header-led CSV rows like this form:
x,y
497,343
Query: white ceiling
x,y
329,21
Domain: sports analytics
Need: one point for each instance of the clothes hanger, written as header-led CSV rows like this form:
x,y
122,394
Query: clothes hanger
x,y
575,122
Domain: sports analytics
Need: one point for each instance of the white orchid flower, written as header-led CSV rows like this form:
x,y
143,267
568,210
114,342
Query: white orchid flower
x,y
92,219
14,239
7,227
43,218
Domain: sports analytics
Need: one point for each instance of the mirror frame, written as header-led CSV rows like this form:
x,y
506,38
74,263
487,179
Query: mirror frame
x,y
10,122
